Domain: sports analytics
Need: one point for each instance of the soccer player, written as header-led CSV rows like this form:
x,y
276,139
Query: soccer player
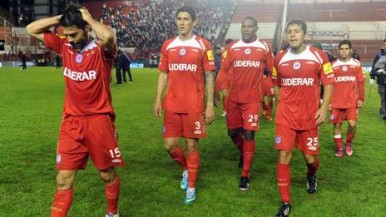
x,y
348,95
245,60
87,127
378,71
297,75
268,93
184,61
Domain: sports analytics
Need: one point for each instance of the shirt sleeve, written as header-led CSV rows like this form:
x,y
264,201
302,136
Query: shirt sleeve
x,y
361,77
275,74
226,60
54,42
208,58
163,63
269,62
326,71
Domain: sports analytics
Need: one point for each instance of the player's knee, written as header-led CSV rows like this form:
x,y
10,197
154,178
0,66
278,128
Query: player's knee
x,y
249,135
351,125
108,175
285,156
65,180
169,147
233,133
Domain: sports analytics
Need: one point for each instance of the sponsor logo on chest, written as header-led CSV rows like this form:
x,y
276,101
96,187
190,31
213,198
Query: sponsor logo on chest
x,y
182,67
80,76
345,78
246,63
297,82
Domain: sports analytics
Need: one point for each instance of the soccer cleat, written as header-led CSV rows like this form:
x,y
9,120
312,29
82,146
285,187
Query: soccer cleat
x,y
284,210
241,161
269,118
349,150
312,184
244,183
190,196
224,114
184,181
339,152
112,215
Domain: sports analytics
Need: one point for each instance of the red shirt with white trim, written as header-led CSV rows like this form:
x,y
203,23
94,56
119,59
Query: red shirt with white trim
x,y
245,62
87,75
299,77
185,63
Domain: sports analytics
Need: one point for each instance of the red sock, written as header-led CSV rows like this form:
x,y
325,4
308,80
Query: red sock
x,y
284,181
62,203
112,195
248,152
312,168
193,163
239,142
338,141
178,156
349,137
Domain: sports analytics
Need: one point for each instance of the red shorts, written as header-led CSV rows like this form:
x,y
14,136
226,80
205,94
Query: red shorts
x,y
187,125
337,116
267,87
81,136
307,141
244,116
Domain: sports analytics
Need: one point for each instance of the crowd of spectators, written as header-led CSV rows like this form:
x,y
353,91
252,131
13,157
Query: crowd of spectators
x,y
147,25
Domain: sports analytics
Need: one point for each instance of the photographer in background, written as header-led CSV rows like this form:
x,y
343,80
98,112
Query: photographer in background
x,y
378,70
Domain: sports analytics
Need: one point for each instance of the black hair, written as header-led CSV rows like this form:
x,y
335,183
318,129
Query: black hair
x,y
189,10
345,42
301,23
72,17
251,18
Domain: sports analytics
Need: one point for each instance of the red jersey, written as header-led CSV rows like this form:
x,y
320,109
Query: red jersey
x,y
246,62
299,77
185,63
87,76
267,86
349,84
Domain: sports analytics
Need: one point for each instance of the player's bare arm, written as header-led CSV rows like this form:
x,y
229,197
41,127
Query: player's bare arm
x,y
209,111
104,33
37,28
162,81
321,113
277,94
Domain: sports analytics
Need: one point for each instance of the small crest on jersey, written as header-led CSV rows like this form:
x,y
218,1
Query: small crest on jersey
x,y
344,68
79,58
297,65
58,158
210,55
278,140
247,51
182,52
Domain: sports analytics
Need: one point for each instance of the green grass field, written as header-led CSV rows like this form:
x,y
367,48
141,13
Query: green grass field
x,y
31,105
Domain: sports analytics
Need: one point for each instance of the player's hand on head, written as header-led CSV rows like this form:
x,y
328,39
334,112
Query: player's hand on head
x,y
209,115
86,16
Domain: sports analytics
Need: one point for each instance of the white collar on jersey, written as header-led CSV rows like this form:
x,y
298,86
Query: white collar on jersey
x,y
89,46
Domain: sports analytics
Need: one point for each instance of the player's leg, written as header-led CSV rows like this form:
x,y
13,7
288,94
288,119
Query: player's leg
x,y
338,140
193,164
102,141
250,117
351,131
193,129
308,143
171,133
64,193
284,142
71,156
336,118
235,125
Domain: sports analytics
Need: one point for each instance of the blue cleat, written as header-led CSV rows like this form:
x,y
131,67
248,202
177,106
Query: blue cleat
x,y
190,196
184,181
